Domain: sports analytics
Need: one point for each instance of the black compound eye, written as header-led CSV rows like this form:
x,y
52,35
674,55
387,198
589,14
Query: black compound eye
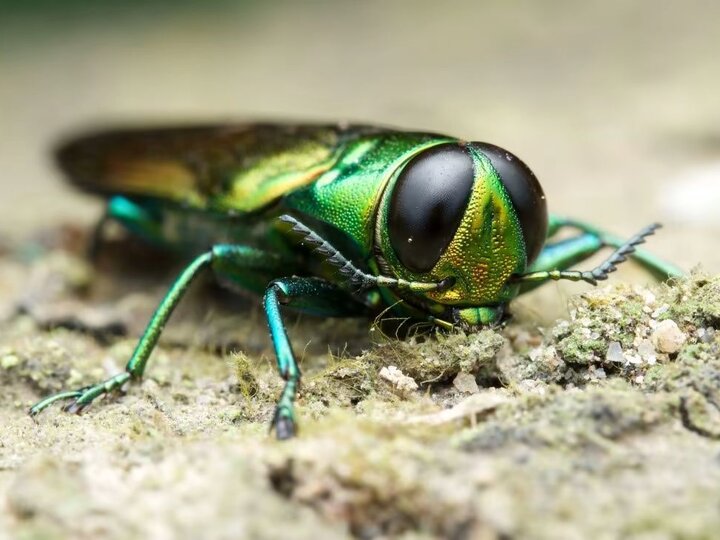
x,y
428,202
526,194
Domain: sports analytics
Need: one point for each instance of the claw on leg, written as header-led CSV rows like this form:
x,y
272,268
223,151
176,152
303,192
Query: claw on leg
x,y
40,406
81,398
283,424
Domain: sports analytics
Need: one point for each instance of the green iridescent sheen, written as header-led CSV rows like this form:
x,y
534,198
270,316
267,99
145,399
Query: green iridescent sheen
x,y
300,215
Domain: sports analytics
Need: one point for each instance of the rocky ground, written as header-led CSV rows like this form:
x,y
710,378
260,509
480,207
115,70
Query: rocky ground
x,y
605,424
595,413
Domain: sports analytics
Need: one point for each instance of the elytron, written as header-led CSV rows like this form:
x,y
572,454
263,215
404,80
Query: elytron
x,y
335,220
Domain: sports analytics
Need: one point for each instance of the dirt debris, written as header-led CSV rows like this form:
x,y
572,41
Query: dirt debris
x,y
399,381
596,411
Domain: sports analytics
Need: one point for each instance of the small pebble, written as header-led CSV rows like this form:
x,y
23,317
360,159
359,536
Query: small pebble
x,y
465,383
615,353
633,359
646,350
667,337
535,354
705,335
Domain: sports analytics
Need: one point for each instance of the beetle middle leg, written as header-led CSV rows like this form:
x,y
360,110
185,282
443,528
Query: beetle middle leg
x,y
309,295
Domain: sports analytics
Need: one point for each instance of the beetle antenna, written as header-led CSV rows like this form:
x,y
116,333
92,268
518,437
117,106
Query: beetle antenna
x,y
600,272
620,255
353,274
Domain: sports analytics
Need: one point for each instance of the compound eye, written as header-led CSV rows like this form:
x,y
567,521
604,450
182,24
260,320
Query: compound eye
x,y
525,193
428,202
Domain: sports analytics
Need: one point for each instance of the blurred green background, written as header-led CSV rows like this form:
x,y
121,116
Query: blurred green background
x,y
614,104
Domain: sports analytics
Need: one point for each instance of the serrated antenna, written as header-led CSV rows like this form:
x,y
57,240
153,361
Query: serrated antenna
x,y
355,276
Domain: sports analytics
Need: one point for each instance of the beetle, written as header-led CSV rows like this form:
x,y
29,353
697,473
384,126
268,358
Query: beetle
x,y
335,220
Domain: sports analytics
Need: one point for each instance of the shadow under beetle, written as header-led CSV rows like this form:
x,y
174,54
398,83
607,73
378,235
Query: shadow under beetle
x,y
335,221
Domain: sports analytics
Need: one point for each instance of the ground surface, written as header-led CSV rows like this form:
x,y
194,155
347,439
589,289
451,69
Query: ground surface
x,y
571,422
585,428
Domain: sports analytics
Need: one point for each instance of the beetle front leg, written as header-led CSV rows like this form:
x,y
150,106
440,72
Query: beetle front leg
x,y
309,295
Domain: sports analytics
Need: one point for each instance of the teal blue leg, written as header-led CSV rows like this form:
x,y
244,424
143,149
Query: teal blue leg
x,y
563,254
309,295
140,219
555,258
240,261
594,236
136,217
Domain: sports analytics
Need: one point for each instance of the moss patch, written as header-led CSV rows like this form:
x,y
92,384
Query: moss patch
x,y
564,437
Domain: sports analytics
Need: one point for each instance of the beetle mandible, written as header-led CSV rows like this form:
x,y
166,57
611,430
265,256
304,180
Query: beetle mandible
x,y
335,220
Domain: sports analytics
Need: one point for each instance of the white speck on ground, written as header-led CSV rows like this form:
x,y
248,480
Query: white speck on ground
x,y
399,381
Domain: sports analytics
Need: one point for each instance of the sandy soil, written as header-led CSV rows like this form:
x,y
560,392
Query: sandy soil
x,y
578,425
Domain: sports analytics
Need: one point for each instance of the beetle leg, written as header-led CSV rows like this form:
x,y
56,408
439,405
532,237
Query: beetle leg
x,y
592,241
310,295
246,262
96,237
136,365
556,257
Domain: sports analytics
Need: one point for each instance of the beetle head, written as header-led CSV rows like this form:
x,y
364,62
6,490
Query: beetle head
x,y
472,212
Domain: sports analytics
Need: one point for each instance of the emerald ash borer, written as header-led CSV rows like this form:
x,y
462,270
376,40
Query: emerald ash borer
x,y
335,221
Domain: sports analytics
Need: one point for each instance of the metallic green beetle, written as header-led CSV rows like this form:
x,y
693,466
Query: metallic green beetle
x,y
335,221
